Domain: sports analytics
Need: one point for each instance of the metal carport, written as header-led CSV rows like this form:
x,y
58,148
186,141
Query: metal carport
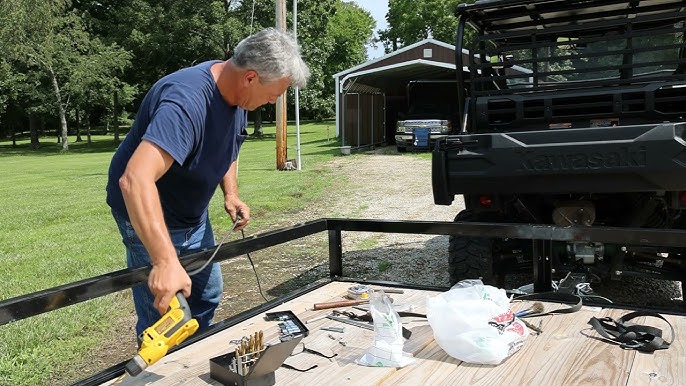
x,y
369,96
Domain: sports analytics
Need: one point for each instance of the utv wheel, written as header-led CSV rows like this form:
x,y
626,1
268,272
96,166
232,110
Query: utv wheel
x,y
470,257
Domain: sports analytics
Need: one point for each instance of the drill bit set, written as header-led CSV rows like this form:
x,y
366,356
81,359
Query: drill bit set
x,y
252,362
247,353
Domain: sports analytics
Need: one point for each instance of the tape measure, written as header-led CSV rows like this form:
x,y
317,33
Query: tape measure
x,y
359,292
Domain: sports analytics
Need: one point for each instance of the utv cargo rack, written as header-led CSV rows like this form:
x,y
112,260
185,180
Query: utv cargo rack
x,y
626,59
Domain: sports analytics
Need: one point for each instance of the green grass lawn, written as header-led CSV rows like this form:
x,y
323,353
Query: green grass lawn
x,y
55,228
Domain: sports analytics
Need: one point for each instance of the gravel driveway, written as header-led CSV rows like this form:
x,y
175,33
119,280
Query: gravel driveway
x,y
392,187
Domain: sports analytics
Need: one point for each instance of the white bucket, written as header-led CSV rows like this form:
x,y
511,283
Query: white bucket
x,y
345,150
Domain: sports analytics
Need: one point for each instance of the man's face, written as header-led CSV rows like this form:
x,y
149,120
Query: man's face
x,y
258,93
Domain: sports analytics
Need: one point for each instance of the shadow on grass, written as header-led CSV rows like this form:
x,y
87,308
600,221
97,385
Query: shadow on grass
x,y
324,142
306,278
378,263
291,136
333,152
100,145
259,138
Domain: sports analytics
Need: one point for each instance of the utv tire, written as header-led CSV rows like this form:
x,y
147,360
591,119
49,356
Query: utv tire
x,y
470,257
402,149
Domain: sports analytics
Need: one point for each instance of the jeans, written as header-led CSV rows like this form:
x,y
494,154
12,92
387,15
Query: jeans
x,y
206,290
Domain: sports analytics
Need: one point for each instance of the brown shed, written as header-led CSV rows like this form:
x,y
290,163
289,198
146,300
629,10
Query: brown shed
x,y
370,96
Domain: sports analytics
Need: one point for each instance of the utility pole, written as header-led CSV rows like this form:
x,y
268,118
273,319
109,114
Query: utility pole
x,y
296,92
281,127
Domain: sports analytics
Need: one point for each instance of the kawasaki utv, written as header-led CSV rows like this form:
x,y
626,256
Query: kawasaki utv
x,y
573,113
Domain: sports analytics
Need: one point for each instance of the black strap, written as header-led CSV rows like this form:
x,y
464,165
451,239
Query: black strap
x,y
557,297
632,336
290,367
315,352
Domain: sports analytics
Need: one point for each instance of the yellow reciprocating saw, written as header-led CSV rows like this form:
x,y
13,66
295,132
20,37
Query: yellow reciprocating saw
x,y
173,328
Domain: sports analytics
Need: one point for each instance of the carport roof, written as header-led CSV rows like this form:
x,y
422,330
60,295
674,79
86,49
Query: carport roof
x,y
392,78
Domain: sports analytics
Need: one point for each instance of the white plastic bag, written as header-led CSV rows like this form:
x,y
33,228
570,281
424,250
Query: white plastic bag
x,y
473,322
387,350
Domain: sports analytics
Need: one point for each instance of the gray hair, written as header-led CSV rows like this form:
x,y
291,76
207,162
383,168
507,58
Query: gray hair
x,y
273,55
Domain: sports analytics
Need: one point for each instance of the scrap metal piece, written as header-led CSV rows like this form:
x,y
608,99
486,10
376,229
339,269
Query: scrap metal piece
x,y
334,329
351,322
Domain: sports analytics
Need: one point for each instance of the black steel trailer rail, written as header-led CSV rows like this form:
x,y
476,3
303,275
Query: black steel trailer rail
x,y
542,236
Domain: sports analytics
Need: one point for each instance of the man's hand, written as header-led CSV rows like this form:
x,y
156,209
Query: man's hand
x,y
237,210
166,279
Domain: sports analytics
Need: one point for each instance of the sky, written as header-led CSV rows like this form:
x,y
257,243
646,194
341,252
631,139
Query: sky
x,y
378,9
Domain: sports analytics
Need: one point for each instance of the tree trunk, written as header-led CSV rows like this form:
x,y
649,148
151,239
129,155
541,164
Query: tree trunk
x,y
258,123
115,121
88,127
63,114
33,129
226,45
78,126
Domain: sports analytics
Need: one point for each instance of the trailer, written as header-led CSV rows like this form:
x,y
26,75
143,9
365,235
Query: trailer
x,y
566,352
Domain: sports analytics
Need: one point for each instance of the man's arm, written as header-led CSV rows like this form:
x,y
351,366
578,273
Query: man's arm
x,y
232,204
147,164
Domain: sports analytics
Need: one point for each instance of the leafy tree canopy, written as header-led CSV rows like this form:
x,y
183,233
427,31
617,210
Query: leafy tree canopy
x,y
410,21
64,59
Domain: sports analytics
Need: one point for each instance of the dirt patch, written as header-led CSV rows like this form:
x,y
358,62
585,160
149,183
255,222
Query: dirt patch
x,y
393,187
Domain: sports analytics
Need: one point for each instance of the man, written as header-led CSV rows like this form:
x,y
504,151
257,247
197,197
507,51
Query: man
x,y
184,143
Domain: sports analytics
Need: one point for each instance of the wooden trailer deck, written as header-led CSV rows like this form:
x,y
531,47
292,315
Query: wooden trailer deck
x,y
560,355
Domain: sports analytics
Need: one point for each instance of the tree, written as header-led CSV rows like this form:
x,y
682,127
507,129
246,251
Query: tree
x,y
96,83
332,34
51,39
410,21
69,58
20,85
11,86
162,35
350,30
9,80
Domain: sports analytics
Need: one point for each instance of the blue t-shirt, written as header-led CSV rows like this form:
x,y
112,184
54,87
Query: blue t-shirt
x,y
184,114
